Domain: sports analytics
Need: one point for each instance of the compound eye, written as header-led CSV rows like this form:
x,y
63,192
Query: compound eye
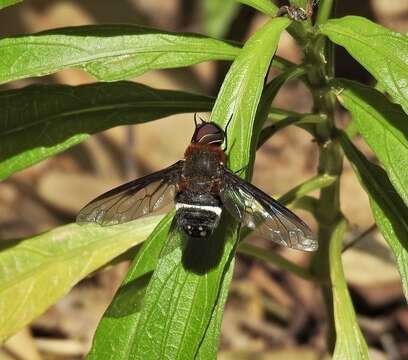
x,y
208,133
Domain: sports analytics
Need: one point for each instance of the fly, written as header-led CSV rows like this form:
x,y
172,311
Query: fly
x,y
202,187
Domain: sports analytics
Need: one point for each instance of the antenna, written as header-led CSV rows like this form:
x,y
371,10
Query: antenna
x,y
201,119
226,126
226,130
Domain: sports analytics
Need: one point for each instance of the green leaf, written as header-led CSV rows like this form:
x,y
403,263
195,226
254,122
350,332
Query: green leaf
x,y
273,258
39,121
314,183
350,343
209,346
390,212
304,121
265,6
108,52
296,29
181,298
36,272
383,125
381,51
218,16
241,91
5,3
115,332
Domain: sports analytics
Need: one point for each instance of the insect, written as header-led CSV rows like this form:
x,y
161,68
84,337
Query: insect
x,y
201,186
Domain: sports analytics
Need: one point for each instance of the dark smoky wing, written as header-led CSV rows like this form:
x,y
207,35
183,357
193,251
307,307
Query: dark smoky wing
x,y
258,211
133,199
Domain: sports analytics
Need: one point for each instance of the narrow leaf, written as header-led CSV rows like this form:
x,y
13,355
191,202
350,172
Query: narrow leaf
x,y
181,298
390,212
381,51
114,335
269,8
265,6
383,125
350,343
218,15
5,3
314,183
39,121
241,91
273,258
209,346
35,273
304,121
108,52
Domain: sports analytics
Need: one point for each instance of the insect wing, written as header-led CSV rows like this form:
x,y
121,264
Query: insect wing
x,y
133,199
258,211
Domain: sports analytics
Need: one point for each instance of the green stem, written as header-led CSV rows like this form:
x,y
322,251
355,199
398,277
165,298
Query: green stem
x,y
317,182
281,63
325,11
271,130
307,203
303,121
330,161
280,114
276,259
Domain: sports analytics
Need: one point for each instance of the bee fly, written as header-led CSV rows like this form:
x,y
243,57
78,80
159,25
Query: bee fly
x,y
202,187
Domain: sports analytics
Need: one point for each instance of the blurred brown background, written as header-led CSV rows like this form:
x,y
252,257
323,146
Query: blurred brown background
x,y
270,314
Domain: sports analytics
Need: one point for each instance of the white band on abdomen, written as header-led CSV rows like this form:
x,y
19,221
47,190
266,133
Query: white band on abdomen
x,y
214,209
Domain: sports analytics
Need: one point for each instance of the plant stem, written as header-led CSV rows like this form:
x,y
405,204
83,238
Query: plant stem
x,y
303,121
280,114
317,182
281,63
274,258
330,161
325,11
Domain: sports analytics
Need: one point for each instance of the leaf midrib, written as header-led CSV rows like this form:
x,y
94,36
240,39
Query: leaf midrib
x,y
58,258
85,60
384,52
157,104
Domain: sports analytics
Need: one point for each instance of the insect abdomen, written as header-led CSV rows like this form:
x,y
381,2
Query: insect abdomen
x,y
197,215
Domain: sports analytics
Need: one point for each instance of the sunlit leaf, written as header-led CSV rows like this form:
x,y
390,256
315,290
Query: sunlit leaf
x,y
383,125
381,51
123,313
5,3
350,343
181,298
39,121
390,212
209,346
108,52
242,88
35,273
